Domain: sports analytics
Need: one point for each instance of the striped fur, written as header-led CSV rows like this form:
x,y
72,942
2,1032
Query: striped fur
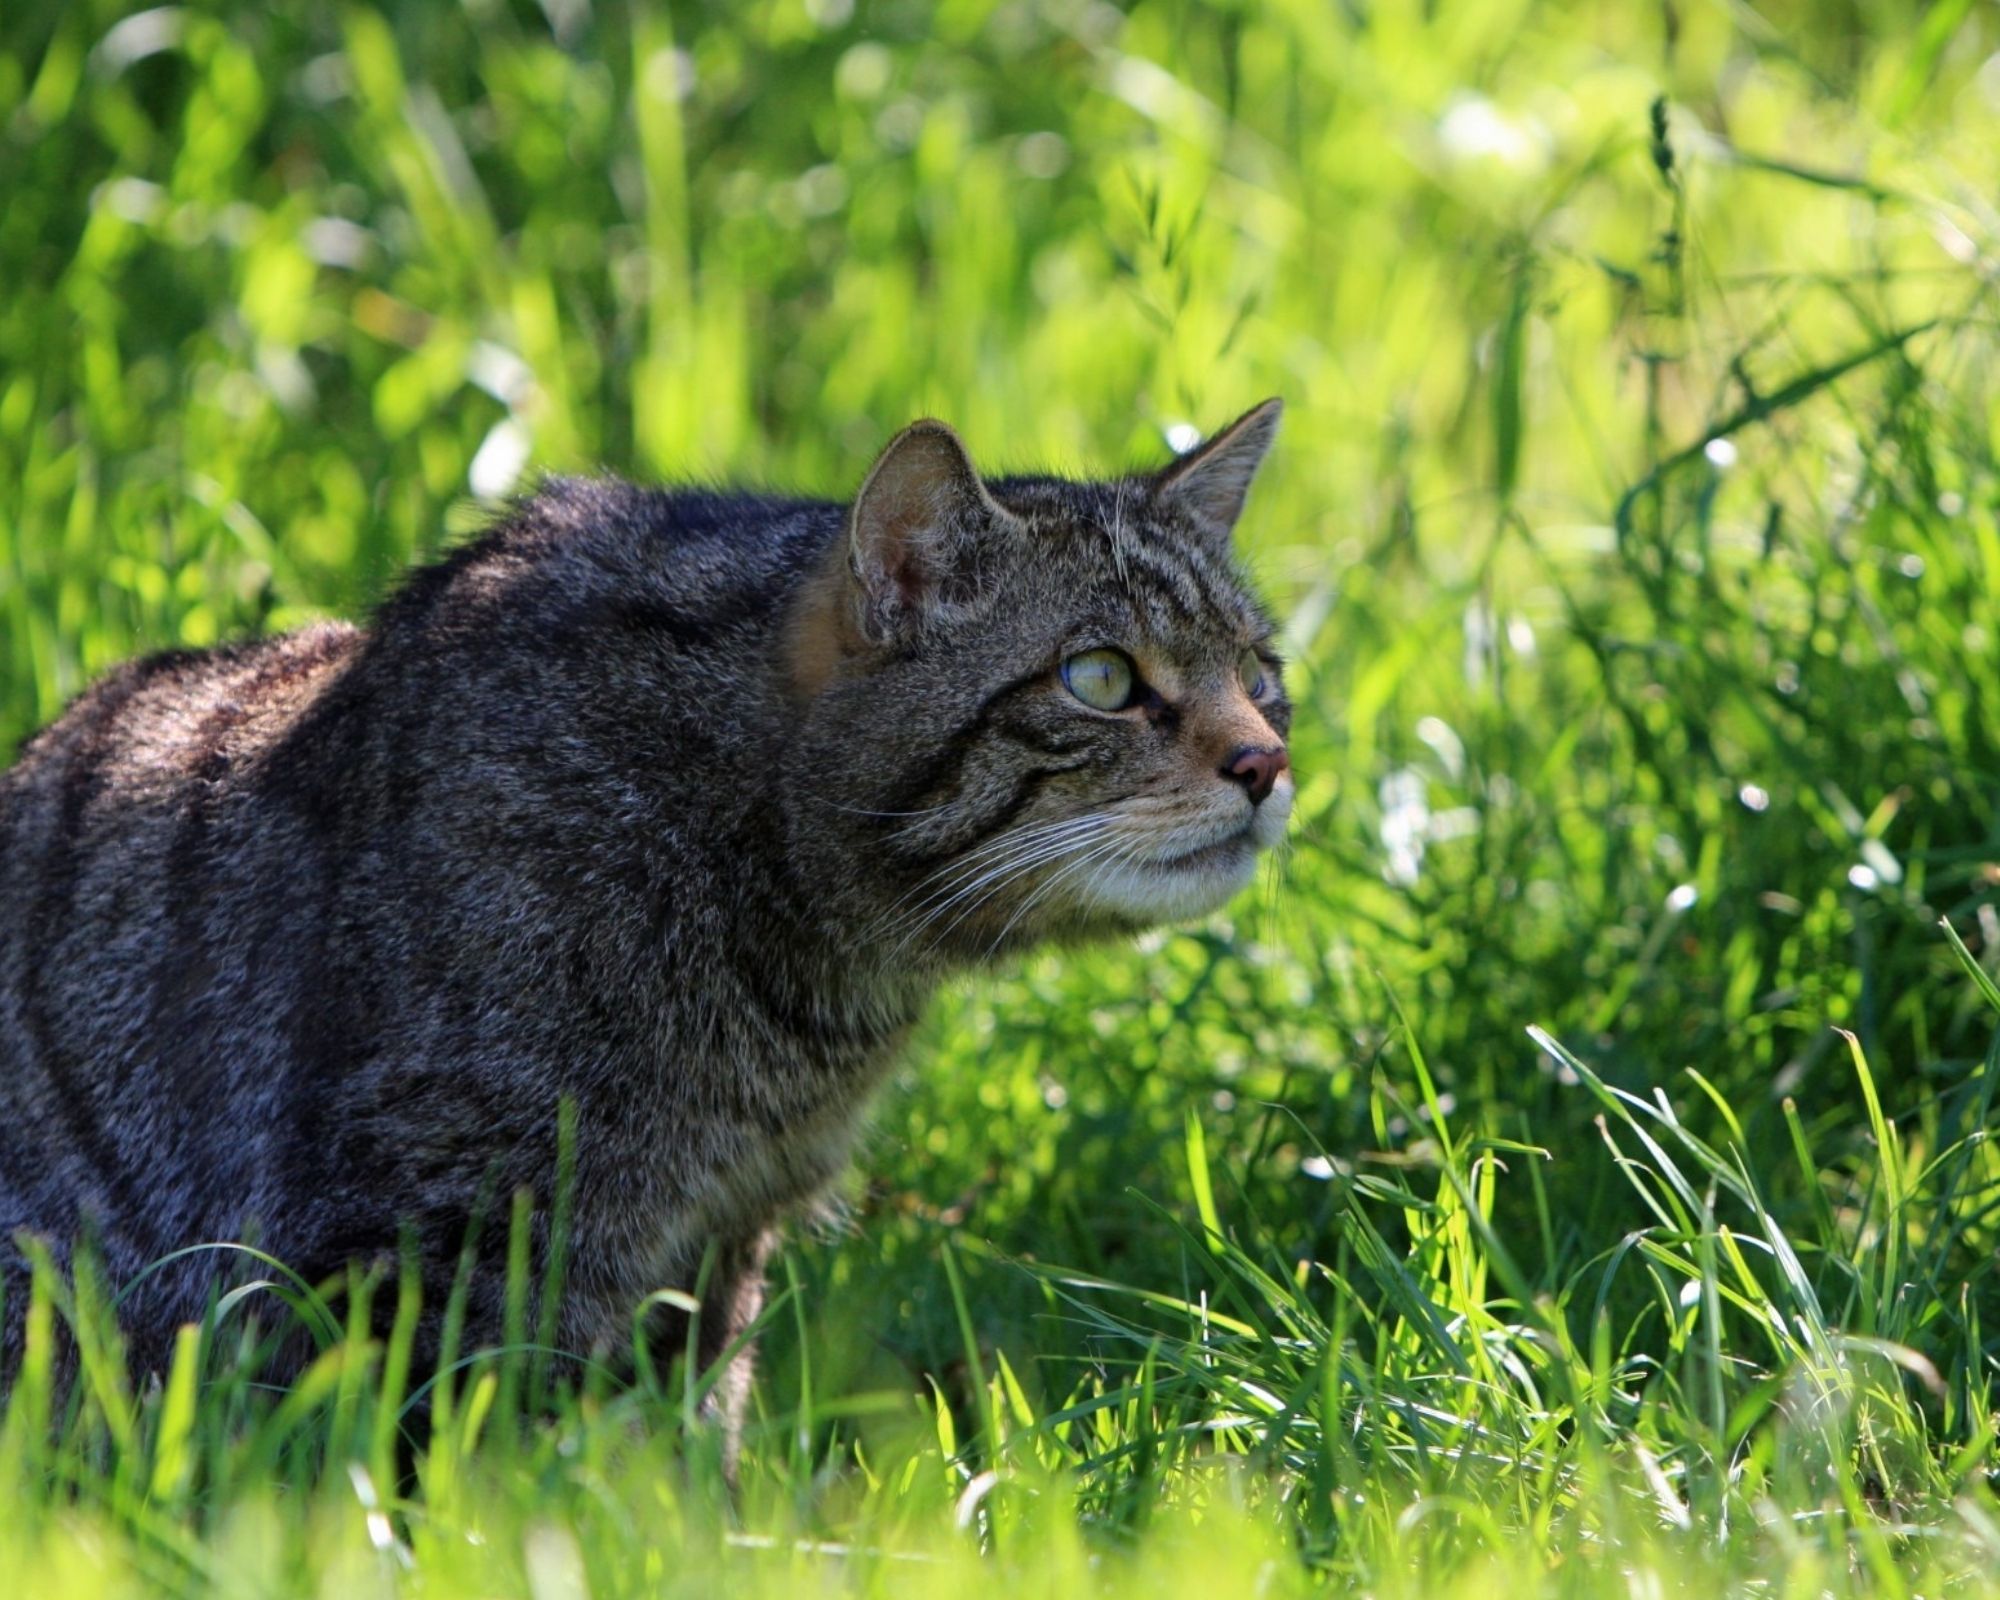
x,y
675,805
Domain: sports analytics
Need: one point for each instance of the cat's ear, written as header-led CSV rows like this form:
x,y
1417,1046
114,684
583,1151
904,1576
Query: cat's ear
x,y
918,527
1210,482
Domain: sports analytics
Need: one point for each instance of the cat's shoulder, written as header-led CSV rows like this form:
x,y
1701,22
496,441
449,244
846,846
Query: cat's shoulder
x,y
654,522
608,521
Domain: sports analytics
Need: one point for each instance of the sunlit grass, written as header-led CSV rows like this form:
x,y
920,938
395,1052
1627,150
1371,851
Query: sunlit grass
x,y
1637,519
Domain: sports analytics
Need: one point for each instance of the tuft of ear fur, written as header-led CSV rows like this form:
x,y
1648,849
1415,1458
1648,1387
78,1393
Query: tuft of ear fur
x,y
916,528
1211,480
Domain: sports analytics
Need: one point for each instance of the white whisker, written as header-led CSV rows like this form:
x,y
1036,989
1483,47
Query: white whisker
x,y
993,867
992,883
864,811
999,847
1117,863
1096,852
989,884
956,868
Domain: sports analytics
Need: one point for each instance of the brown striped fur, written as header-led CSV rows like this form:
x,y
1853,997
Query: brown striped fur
x,y
674,805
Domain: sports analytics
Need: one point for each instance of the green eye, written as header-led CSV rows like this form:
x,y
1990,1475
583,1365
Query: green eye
x,y
1250,670
1101,679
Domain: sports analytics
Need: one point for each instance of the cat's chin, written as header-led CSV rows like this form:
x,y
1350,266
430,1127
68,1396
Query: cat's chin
x,y
1175,888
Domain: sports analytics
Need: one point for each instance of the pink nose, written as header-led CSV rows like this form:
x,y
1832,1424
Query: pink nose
x,y
1257,770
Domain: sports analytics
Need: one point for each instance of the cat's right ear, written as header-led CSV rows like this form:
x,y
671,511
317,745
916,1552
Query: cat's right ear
x,y
917,529
1212,480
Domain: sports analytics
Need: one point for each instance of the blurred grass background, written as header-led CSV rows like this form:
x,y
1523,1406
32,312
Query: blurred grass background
x,y
1635,514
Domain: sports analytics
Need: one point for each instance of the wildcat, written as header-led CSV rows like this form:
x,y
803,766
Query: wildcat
x,y
673,807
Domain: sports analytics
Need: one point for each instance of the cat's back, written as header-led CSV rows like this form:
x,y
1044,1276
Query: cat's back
x,y
135,760
111,822
152,724
146,747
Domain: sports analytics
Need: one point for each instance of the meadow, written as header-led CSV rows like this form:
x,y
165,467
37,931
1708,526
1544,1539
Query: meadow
x,y
1568,1173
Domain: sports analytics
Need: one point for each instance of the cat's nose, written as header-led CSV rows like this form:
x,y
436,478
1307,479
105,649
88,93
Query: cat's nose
x,y
1257,769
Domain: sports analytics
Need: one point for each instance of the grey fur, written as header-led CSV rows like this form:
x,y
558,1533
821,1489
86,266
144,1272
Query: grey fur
x,y
670,804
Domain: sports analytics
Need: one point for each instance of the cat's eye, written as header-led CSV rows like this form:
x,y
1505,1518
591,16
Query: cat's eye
x,y
1101,679
1251,673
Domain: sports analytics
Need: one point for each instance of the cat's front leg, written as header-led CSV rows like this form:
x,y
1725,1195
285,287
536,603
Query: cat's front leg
x,y
733,1300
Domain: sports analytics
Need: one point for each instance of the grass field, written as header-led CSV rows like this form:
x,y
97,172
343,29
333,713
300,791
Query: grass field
x,y
1570,1172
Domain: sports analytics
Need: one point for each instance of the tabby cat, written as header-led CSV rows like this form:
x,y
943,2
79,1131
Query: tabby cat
x,y
672,807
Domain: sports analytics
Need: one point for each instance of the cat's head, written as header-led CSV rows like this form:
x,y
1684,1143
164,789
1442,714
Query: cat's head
x,y
1032,708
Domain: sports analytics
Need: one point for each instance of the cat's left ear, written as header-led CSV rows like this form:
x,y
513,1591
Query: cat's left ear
x,y
918,529
1210,482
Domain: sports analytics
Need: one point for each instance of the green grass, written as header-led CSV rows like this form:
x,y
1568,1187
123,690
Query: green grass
x,y
1491,1203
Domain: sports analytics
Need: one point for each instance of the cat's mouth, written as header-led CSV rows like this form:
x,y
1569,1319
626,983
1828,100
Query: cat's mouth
x,y
1227,842
1214,853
